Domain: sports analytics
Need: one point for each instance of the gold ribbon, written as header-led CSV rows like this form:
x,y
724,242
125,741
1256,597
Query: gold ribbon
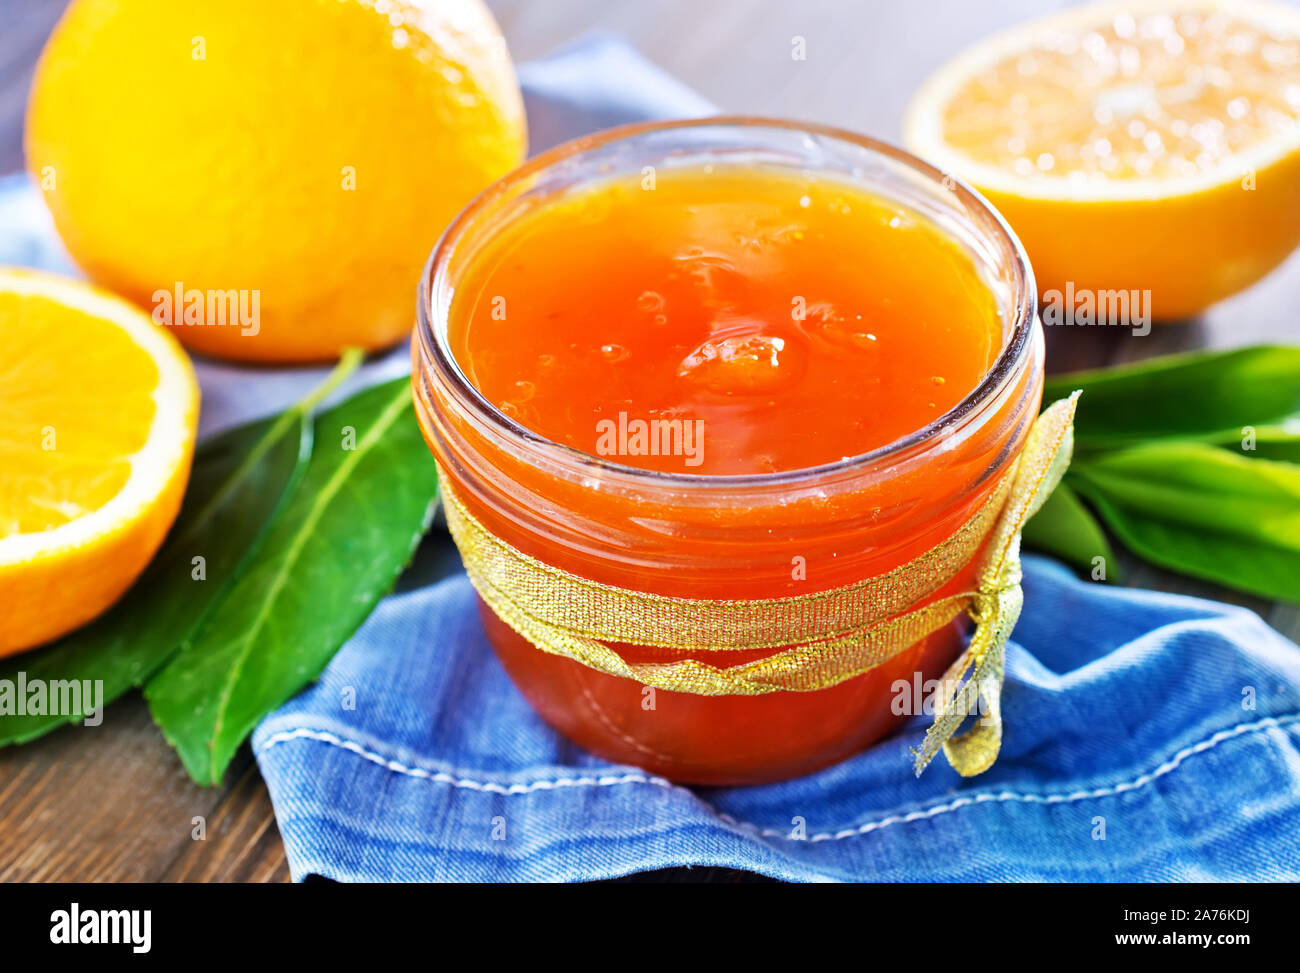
x,y
824,638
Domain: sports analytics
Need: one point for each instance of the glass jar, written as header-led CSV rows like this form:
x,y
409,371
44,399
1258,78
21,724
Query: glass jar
x,y
728,537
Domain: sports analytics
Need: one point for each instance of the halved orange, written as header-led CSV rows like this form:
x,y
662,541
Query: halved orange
x,y
98,414
1149,145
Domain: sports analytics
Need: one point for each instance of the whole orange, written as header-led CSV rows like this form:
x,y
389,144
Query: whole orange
x,y
268,178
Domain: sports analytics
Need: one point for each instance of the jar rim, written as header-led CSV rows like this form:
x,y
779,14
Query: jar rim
x,y
434,348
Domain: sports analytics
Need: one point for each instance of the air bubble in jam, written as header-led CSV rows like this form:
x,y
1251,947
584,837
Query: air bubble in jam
x,y
713,274
520,412
653,304
851,330
738,365
651,301
614,353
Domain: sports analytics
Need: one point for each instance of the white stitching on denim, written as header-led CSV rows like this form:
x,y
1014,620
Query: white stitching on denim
x,y
443,777
608,780
1141,781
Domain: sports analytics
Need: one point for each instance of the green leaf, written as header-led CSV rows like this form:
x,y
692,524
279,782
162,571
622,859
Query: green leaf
x,y
1063,527
1266,442
1203,511
1281,450
1202,395
336,549
238,480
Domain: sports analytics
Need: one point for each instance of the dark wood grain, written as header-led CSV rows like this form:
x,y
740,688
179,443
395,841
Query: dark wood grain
x,y
112,804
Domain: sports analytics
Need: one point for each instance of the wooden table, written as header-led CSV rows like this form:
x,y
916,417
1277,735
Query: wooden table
x,y
114,804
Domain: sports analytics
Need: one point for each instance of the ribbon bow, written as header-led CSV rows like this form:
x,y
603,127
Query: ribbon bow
x,y
995,609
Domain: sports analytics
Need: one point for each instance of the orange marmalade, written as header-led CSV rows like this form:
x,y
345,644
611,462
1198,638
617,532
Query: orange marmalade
x,y
664,362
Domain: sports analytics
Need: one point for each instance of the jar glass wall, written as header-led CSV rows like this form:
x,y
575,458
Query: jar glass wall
x,y
727,537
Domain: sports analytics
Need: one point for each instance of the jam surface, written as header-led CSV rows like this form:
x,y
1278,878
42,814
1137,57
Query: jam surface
x,y
726,321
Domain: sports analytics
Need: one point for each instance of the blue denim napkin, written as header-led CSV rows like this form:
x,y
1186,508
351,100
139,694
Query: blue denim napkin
x,y
1149,736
